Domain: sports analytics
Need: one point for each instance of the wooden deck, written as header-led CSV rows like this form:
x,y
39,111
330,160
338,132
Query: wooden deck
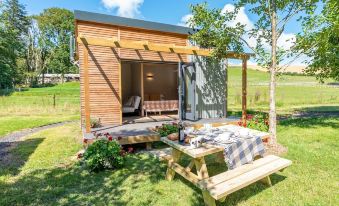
x,y
132,133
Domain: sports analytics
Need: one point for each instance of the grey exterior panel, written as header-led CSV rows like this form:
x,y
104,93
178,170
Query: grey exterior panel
x,y
128,22
211,88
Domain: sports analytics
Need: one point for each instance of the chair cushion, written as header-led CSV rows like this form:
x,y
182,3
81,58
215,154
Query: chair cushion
x,y
129,102
127,109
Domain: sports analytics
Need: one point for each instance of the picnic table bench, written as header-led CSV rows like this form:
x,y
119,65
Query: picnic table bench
x,y
219,186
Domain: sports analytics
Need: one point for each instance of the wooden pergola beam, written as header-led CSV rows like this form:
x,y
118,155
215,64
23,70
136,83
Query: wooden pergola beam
x,y
149,46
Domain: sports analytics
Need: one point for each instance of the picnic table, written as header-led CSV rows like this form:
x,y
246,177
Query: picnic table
x,y
219,186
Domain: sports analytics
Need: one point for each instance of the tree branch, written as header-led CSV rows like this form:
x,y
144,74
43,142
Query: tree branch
x,y
286,19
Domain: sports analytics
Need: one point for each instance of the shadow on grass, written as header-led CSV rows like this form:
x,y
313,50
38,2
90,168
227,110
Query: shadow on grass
x,y
12,160
75,186
321,109
215,168
250,191
310,122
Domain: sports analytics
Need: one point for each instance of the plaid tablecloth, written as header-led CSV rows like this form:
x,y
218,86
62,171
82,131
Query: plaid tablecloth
x,y
243,151
238,151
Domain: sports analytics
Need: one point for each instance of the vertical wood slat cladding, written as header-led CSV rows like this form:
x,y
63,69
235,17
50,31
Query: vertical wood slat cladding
x,y
103,66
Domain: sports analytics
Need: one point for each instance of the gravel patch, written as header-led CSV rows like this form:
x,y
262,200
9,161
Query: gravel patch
x,y
17,136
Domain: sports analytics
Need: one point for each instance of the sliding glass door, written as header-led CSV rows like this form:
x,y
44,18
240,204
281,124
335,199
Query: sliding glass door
x,y
187,86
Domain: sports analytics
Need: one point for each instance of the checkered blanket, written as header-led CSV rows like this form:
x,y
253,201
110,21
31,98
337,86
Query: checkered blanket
x,y
162,105
243,151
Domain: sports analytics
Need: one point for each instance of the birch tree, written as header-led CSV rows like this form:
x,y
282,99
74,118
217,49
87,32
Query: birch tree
x,y
213,30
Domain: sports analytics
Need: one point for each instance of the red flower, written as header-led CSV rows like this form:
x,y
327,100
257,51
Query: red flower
x,y
80,155
240,123
110,138
249,116
130,149
244,125
266,122
85,141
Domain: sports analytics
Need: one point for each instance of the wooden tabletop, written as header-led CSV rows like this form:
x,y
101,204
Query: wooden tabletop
x,y
204,150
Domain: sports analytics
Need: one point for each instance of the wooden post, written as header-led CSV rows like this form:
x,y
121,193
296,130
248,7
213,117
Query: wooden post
x,y
226,92
142,88
244,90
120,92
86,91
176,154
120,76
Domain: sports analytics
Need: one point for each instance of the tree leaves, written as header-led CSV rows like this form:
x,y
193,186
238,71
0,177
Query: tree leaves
x,y
320,41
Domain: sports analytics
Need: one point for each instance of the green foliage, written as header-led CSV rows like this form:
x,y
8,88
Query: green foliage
x,y
13,28
320,41
212,32
56,26
95,123
104,154
258,121
167,129
31,45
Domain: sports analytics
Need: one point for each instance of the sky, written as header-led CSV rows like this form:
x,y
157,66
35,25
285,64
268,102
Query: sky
x,y
164,11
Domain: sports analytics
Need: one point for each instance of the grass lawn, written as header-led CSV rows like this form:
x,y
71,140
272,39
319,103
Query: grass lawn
x,y
44,173
293,93
34,107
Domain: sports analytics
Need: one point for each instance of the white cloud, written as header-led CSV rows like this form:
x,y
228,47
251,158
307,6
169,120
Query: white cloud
x,y
286,40
184,20
125,8
240,18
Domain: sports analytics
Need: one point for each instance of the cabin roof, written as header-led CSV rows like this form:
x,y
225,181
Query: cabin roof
x,y
129,22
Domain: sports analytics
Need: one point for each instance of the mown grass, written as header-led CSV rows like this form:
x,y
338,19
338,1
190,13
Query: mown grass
x,y
293,92
34,107
44,173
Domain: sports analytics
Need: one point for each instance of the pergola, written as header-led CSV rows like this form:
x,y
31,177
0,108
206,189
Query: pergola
x,y
156,47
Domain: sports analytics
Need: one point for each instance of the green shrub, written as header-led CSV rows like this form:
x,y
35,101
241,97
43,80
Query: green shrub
x,y
259,121
95,123
167,129
104,154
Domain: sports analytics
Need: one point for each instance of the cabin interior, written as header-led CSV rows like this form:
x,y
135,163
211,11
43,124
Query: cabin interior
x,y
150,81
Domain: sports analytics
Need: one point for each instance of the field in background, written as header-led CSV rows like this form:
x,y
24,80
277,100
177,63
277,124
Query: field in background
x,y
294,92
292,68
35,106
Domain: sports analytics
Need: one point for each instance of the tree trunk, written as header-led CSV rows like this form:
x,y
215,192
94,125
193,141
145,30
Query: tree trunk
x,y
272,114
43,78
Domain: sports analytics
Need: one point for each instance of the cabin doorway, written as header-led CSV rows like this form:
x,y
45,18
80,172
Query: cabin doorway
x,y
149,91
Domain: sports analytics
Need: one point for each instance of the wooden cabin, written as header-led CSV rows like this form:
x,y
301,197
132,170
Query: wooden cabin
x,y
121,58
